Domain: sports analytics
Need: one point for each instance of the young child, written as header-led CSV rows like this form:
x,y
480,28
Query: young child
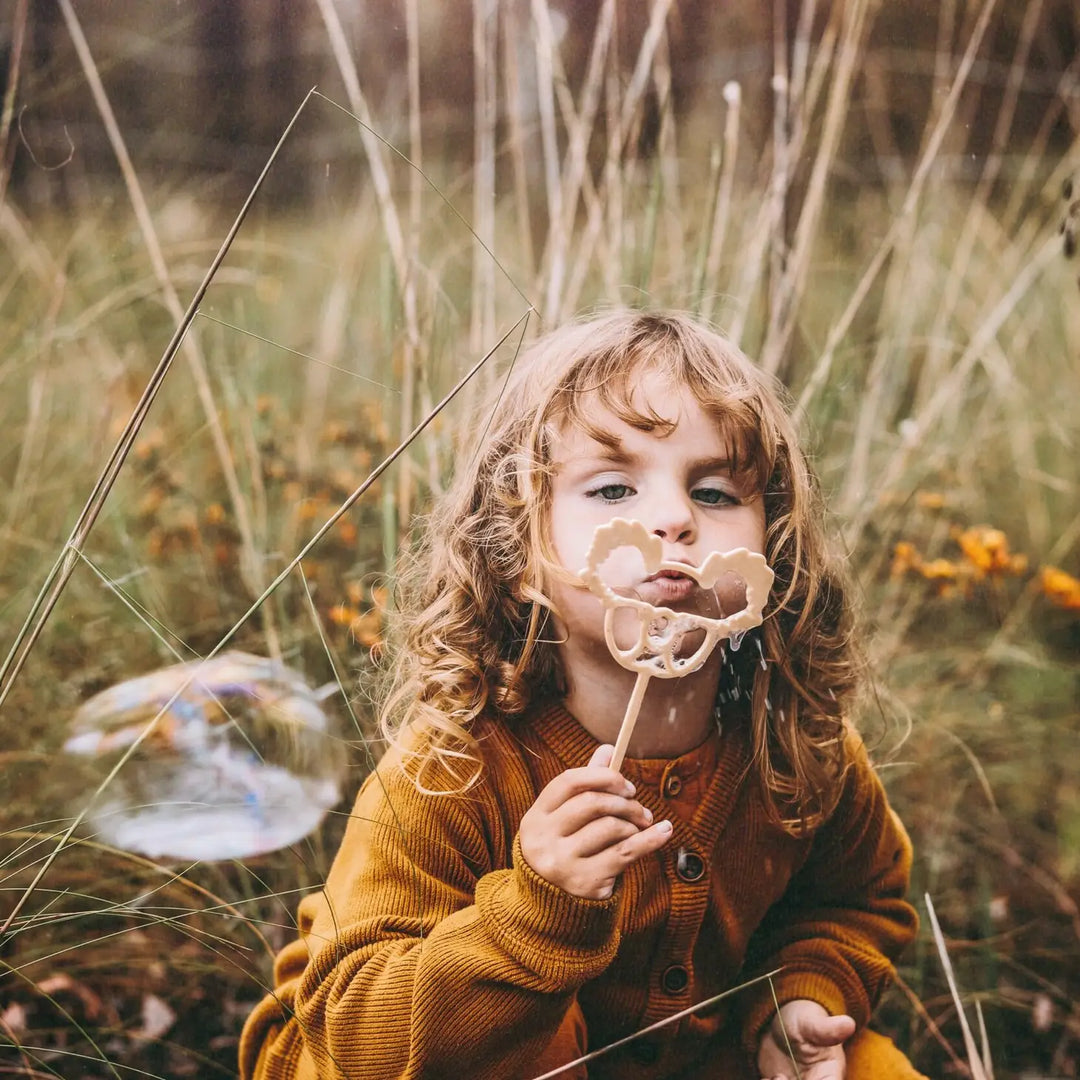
x,y
503,902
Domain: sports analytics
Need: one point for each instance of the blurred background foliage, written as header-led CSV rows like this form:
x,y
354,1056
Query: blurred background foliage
x,y
877,200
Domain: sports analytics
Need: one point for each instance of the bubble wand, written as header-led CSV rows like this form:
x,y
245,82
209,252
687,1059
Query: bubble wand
x,y
662,629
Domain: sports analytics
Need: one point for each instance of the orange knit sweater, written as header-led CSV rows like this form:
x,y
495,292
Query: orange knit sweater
x,y
436,951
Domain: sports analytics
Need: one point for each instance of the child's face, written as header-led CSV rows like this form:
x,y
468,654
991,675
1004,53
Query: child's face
x,y
678,485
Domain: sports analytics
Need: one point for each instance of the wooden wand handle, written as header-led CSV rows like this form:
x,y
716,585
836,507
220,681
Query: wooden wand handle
x,y
633,707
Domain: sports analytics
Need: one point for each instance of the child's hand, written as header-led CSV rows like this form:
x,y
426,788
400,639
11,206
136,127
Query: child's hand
x,y
816,1040
585,829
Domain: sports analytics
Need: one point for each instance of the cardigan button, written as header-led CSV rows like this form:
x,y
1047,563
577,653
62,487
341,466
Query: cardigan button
x,y
689,865
675,979
672,786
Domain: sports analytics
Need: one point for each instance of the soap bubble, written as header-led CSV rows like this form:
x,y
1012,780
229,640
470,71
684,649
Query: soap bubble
x,y
235,757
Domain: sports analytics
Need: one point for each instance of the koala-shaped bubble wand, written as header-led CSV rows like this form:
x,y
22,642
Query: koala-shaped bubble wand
x,y
655,653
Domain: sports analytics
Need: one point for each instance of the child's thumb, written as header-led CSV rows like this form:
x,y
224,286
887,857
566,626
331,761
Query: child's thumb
x,y
828,1030
602,755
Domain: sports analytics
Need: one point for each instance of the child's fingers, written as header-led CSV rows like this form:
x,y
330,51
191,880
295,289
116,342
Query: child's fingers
x,y
618,856
574,781
602,755
599,835
588,806
827,1030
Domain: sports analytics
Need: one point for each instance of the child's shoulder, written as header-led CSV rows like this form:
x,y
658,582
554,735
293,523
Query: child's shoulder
x,y
504,757
860,786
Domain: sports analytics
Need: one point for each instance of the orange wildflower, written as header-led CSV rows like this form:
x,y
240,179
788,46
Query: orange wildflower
x,y
343,615
930,500
334,431
905,558
940,570
987,549
151,502
367,629
214,514
1060,588
149,443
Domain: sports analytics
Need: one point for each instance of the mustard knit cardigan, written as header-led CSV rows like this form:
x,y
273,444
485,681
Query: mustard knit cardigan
x,y
435,951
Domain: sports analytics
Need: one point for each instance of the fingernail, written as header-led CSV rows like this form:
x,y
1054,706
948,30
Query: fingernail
x,y
648,814
630,789
664,826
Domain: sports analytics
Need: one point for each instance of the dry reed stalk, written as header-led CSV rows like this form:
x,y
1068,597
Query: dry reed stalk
x,y
573,177
391,222
1020,189
609,210
36,414
961,263
7,111
416,142
784,317
764,227
721,212
670,211
948,391
411,357
512,37
29,255
251,563
840,329
330,335
665,1022
931,1025
485,79
975,1059
553,266
768,220
780,182
623,110
800,67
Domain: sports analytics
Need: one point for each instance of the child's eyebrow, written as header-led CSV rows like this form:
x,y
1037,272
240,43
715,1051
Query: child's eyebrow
x,y
617,455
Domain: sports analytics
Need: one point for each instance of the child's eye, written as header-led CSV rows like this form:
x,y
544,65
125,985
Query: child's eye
x,y
611,492
711,496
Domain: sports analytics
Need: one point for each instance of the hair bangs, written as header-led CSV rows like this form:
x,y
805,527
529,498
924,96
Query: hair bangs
x,y
610,381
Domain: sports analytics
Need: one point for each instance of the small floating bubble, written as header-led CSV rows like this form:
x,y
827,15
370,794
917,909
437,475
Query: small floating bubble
x,y
761,653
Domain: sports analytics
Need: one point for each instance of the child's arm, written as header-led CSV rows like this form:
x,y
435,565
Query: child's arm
x,y
427,957
844,917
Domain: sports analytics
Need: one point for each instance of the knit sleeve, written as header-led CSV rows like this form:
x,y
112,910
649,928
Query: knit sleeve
x,y
843,918
423,956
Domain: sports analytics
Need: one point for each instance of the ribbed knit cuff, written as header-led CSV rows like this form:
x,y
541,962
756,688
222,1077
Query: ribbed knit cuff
x,y
790,985
566,940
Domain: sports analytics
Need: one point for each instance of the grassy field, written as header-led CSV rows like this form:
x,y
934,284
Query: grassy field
x,y
929,331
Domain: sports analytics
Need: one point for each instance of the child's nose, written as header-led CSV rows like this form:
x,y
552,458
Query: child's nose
x,y
673,521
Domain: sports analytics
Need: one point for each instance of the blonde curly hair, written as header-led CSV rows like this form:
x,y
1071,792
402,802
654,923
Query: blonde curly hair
x,y
472,606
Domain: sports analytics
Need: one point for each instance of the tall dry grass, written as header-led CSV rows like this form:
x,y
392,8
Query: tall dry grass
x,y
304,407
